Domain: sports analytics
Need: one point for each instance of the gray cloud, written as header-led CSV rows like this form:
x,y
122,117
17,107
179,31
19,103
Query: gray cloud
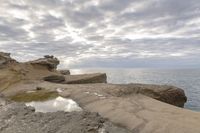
x,y
110,33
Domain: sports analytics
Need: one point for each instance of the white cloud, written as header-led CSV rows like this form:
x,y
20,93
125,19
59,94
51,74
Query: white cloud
x,y
101,32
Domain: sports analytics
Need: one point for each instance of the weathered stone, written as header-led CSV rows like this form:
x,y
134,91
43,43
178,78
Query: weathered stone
x,y
18,118
55,78
126,106
5,59
165,93
86,78
64,72
49,56
49,61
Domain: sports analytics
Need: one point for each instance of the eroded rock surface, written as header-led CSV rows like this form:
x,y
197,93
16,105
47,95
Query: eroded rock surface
x,y
64,72
124,106
48,61
77,79
86,78
5,59
165,93
18,118
169,94
136,107
55,78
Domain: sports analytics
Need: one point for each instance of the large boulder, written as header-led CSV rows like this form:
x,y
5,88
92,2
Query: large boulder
x,y
5,59
165,93
86,78
169,94
50,62
77,79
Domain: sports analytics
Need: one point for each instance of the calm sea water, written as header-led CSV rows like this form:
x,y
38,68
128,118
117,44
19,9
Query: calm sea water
x,y
187,79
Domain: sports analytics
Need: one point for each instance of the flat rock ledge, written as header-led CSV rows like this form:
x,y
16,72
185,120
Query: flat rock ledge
x,y
86,78
77,79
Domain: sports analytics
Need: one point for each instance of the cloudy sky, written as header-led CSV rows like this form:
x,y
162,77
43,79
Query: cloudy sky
x,y
103,33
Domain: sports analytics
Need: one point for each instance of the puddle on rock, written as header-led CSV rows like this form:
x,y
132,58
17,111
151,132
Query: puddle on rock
x,y
56,104
46,101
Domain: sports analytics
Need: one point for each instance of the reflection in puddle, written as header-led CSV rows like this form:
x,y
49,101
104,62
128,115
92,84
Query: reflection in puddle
x,y
53,105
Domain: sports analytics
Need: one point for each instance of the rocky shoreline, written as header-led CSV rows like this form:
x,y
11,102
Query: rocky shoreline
x,y
107,108
16,117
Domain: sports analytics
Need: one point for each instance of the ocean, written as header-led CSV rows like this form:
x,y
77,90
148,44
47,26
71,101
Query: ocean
x,y
187,79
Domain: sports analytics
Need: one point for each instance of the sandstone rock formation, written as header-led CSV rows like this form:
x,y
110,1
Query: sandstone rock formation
x,y
64,72
12,72
5,59
136,107
77,79
48,61
55,78
122,106
86,78
165,93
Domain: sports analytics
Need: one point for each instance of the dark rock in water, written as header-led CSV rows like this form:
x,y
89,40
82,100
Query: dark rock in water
x,y
5,59
64,72
49,61
55,78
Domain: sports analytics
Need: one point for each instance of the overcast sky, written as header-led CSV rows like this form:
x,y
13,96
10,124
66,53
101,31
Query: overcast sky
x,y
103,33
